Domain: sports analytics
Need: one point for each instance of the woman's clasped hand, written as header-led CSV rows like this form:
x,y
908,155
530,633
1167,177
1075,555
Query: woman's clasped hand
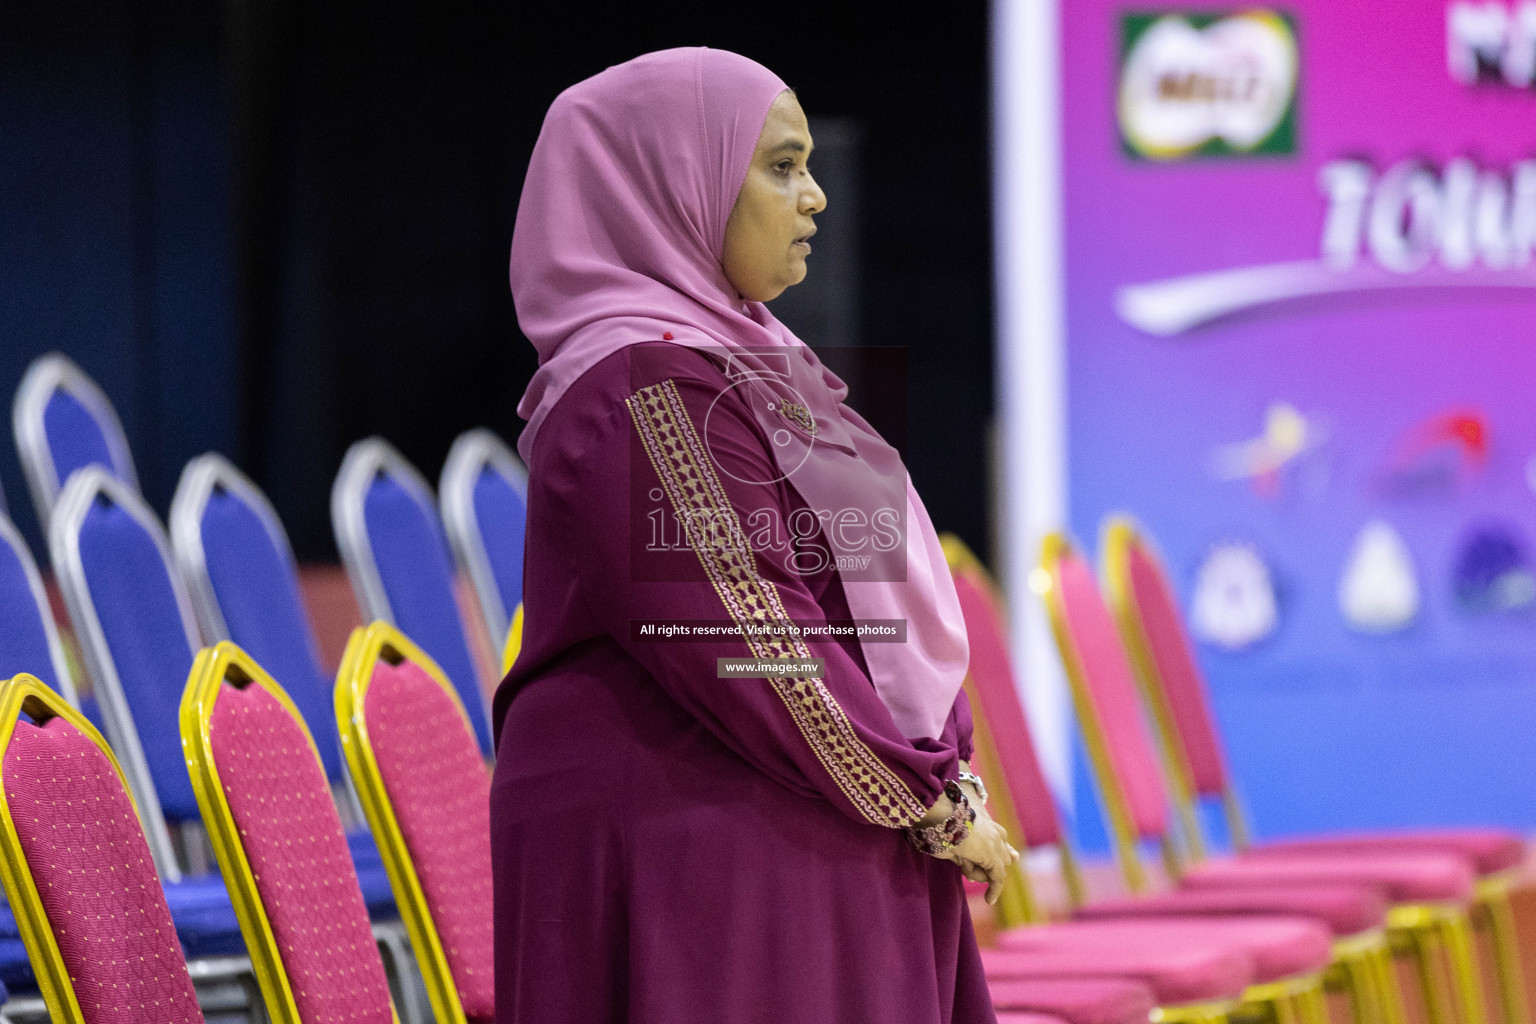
x,y
985,854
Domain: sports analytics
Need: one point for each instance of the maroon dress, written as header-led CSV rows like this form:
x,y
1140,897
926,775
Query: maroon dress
x,y
671,847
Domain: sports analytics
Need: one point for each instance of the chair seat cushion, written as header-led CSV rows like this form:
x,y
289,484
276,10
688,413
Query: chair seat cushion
x,y
1402,877
1345,909
1488,849
1278,947
1074,1001
1023,1017
1176,971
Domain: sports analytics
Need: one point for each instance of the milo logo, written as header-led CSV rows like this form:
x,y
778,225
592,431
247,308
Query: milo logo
x,y
1207,84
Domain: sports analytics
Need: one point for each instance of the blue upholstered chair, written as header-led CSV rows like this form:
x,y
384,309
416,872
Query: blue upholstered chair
x,y
63,421
136,637
243,585
483,495
239,568
397,559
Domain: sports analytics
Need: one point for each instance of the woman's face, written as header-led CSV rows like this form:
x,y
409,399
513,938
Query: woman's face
x,y
768,235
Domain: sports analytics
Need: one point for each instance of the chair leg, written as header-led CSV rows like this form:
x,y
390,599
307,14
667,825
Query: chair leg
x,y
1220,1012
1352,975
1389,994
392,943
1506,953
1456,928
1293,1001
1314,1005
1362,969
1428,954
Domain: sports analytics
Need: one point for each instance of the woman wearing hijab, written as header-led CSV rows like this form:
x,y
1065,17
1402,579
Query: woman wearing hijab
x,y
675,841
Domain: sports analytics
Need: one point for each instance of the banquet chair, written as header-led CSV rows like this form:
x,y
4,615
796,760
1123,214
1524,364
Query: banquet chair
x,y
261,787
29,638
483,496
138,635
90,910
243,583
1428,892
426,793
63,421
1022,802
1152,630
393,547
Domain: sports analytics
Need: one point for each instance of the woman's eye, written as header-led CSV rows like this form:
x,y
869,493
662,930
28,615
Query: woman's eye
x,y
784,166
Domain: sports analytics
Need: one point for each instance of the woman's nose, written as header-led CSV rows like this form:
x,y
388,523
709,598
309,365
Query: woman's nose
x,y
813,200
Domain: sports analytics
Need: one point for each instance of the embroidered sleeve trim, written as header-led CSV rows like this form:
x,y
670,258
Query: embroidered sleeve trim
x,y
715,534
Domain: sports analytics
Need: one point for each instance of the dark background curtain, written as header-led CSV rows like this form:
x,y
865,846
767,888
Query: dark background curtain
x,y
272,227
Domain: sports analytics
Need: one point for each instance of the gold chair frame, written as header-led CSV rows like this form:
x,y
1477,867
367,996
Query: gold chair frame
x,y
365,649
214,666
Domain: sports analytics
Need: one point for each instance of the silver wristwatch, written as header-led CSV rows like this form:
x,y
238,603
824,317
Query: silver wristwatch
x,y
975,780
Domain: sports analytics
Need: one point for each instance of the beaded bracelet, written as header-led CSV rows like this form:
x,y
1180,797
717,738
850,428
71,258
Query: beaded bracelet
x,y
937,840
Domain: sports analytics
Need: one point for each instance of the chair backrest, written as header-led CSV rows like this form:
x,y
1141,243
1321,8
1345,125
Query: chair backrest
x,y
426,793
137,636
29,639
992,678
1120,749
1152,630
63,421
1018,796
78,872
397,558
279,841
240,571
483,494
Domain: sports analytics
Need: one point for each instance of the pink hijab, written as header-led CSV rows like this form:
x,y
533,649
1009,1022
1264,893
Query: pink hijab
x,y
619,240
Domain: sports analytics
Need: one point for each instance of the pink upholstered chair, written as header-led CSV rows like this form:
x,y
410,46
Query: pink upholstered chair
x,y
78,871
425,790
1429,891
1152,629
262,791
1022,802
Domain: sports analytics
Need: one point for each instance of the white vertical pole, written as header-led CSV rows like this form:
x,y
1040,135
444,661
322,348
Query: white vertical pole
x,y
1030,332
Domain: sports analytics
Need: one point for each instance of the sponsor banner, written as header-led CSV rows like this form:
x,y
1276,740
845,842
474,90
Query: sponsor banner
x,y
1300,282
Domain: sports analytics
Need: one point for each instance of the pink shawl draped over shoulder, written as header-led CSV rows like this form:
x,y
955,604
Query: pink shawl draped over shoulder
x,y
619,241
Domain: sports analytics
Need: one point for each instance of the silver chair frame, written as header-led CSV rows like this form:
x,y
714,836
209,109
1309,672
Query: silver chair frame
x,y
47,374
473,452
198,481
65,683
84,488
364,461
